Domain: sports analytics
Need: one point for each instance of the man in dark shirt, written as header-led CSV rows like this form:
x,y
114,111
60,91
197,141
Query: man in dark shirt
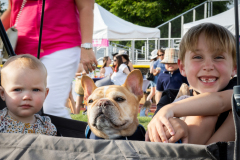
x,y
171,78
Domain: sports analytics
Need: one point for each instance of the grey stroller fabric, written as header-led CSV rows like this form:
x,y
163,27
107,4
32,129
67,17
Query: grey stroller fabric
x,y
37,147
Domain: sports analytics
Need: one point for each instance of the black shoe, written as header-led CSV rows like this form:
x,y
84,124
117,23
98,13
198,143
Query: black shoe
x,y
84,112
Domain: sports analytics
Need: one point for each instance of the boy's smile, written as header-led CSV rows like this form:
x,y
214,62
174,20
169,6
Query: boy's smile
x,y
207,71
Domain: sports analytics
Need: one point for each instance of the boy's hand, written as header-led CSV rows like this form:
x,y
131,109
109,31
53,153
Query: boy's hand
x,y
156,131
181,131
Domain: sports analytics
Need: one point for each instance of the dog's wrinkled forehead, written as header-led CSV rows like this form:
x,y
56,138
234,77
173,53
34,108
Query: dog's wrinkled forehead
x,y
109,91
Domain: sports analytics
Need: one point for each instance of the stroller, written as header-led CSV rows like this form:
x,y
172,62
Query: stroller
x,y
71,143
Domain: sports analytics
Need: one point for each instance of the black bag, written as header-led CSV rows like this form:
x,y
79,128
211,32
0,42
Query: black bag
x,y
149,76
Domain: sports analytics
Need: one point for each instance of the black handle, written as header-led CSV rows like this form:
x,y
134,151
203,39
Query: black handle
x,y
6,41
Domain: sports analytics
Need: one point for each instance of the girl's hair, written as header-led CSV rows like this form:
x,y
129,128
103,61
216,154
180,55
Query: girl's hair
x,y
160,51
105,59
217,37
119,61
154,59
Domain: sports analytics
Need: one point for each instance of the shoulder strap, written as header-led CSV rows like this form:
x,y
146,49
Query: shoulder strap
x,y
87,132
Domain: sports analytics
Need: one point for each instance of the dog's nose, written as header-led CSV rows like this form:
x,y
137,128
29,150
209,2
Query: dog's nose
x,y
104,103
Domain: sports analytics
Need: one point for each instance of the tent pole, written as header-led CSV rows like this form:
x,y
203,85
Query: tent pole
x,y
237,39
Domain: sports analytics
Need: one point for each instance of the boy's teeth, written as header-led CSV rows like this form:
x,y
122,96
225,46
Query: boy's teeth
x,y
208,80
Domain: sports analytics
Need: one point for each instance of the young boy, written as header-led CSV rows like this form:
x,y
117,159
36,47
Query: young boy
x,y
208,59
171,77
23,88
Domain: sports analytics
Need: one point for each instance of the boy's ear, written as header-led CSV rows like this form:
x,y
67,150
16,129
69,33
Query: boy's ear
x,y
2,93
181,68
234,71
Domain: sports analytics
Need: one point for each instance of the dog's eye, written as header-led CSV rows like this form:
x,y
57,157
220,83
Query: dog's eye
x,y
119,99
90,101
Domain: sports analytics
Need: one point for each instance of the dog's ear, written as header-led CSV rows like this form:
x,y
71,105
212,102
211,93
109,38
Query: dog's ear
x,y
134,83
88,86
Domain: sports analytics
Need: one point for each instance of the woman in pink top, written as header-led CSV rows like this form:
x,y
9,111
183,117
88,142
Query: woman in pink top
x,y
61,41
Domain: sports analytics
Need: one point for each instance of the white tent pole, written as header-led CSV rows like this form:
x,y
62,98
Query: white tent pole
x,y
182,22
132,50
205,10
145,50
194,15
156,43
169,33
136,55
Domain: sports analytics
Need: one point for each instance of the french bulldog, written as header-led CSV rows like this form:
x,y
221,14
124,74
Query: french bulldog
x,y
112,110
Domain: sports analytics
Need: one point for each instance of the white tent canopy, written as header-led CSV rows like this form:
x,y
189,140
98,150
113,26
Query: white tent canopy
x,y
111,27
226,19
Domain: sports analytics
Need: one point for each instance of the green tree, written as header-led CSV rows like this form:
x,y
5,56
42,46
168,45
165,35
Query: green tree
x,y
1,6
152,13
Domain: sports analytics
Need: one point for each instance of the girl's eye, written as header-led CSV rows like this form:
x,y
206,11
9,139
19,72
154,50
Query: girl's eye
x,y
36,90
17,89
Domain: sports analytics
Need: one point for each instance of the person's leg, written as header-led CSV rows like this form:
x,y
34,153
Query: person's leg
x,y
104,82
61,67
151,94
148,102
79,104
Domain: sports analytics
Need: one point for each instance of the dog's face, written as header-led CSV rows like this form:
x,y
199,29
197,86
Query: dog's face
x,y
112,110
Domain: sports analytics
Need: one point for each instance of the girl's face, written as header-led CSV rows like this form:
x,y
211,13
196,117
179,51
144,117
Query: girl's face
x,y
207,71
109,61
161,55
115,61
24,93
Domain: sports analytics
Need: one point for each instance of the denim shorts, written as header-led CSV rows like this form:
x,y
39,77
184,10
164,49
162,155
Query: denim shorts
x,y
154,83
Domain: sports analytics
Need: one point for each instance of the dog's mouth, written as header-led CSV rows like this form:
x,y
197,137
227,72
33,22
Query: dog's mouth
x,y
101,117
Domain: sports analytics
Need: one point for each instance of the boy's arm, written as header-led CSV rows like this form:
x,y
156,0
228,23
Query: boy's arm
x,y
205,104
225,133
200,128
158,96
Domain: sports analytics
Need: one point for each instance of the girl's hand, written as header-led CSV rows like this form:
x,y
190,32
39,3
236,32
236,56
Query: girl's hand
x,y
155,127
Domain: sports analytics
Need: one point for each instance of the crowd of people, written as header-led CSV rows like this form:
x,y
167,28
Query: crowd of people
x,y
205,61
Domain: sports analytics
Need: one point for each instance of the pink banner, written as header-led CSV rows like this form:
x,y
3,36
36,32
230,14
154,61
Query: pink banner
x,y
100,43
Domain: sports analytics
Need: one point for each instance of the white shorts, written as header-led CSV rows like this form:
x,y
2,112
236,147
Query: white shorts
x,y
61,67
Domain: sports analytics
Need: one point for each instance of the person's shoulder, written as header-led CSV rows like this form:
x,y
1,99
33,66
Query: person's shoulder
x,y
3,112
44,119
49,127
123,65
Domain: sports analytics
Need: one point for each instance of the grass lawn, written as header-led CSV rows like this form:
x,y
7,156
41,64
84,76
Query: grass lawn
x,y
142,120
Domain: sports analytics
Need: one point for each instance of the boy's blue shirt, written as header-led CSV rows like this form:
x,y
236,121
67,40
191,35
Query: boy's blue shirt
x,y
166,80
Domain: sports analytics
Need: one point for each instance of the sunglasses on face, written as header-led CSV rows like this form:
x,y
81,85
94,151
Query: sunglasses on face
x,y
161,55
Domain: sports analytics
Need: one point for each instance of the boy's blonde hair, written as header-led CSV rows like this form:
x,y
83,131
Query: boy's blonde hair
x,y
24,61
217,37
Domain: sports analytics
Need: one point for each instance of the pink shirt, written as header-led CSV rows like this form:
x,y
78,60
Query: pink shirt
x,y
61,28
